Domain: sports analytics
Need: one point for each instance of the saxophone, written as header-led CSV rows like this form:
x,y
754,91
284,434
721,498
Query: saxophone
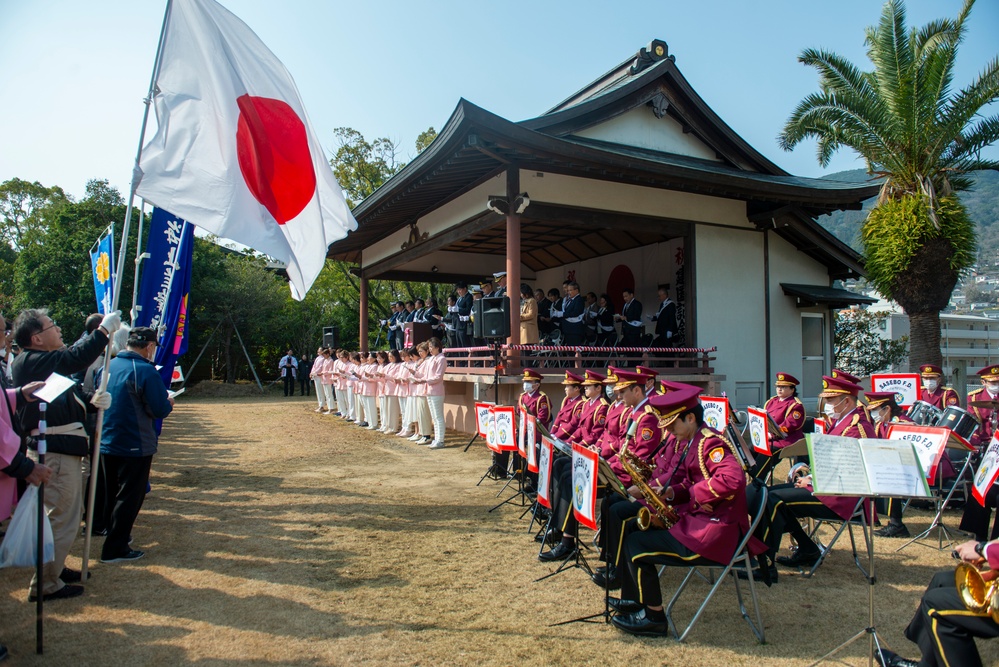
x,y
661,514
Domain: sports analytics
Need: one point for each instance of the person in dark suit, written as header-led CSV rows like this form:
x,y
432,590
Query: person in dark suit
x,y
665,319
463,311
573,326
631,320
544,314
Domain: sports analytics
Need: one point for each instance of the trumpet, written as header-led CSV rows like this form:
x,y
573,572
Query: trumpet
x,y
658,513
978,589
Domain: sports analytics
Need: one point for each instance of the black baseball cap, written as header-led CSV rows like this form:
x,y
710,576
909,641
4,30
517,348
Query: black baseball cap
x,y
142,335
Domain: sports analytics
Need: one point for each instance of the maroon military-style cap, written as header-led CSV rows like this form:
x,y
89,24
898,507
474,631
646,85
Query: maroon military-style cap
x,y
787,380
648,372
572,379
532,375
875,399
989,373
930,369
627,378
672,403
843,375
593,378
838,386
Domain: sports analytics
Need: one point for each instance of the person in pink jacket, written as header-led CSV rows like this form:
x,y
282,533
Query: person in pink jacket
x,y
436,365
390,409
327,378
403,375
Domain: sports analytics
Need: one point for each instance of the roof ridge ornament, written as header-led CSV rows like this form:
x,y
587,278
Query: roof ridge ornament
x,y
649,55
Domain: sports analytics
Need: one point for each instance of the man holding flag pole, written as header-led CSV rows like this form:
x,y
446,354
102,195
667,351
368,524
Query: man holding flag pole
x,y
234,152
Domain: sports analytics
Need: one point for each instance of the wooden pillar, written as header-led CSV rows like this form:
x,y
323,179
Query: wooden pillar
x,y
363,328
513,258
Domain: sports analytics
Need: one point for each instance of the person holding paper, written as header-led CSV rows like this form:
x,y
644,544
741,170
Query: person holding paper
x,y
787,411
943,628
288,367
710,499
316,376
789,503
129,439
886,411
44,353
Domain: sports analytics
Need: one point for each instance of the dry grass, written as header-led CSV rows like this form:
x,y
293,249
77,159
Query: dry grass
x,y
278,536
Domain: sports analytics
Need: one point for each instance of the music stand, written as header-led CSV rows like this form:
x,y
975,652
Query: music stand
x,y
953,442
835,473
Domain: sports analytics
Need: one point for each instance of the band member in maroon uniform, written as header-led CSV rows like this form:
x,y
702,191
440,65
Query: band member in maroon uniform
x,y
788,413
976,517
709,496
567,419
593,416
933,391
787,503
536,403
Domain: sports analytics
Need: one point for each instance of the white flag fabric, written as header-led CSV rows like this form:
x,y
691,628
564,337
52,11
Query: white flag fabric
x,y
234,152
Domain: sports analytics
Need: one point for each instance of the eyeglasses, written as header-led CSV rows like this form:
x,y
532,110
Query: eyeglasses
x,y
54,324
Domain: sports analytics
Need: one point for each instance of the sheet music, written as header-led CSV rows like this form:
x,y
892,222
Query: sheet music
x,y
837,466
893,468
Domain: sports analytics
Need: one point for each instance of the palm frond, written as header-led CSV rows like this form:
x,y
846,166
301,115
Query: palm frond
x,y
836,73
889,50
962,108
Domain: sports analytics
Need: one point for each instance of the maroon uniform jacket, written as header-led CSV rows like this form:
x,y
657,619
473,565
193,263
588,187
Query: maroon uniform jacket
x,y
789,414
617,424
711,499
647,437
538,405
592,422
567,419
854,425
942,398
984,432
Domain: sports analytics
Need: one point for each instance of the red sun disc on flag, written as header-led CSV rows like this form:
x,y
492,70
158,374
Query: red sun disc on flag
x,y
272,146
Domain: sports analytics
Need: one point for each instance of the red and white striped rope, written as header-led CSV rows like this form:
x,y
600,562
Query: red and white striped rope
x,y
580,348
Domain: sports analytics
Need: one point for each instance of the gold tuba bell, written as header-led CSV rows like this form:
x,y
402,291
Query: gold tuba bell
x,y
978,590
662,515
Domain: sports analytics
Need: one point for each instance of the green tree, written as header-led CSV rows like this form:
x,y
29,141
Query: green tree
x,y
860,349
361,166
912,130
24,207
53,268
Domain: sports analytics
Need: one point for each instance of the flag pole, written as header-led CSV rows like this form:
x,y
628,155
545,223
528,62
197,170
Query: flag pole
x,y
120,272
139,256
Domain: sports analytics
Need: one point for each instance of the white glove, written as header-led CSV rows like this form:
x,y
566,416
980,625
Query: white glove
x,y
112,322
383,322
669,334
101,400
463,318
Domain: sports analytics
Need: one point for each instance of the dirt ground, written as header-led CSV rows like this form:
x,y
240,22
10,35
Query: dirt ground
x,y
275,535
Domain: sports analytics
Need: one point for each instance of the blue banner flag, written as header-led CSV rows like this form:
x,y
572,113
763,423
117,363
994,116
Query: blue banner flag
x,y
102,262
166,283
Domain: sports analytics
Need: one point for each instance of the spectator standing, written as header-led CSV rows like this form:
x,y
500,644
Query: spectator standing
x,y
316,374
129,438
303,378
289,369
44,353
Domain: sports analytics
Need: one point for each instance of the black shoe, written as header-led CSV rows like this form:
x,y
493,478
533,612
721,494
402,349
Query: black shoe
x,y
893,530
559,552
607,578
624,606
551,537
69,576
799,559
99,532
131,554
758,575
68,591
639,623
891,659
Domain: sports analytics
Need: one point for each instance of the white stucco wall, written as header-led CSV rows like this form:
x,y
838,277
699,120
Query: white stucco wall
x,y
640,127
729,280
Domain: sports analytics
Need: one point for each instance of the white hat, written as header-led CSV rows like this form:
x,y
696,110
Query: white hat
x,y
499,274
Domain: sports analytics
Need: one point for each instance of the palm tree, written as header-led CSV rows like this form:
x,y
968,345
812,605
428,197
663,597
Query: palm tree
x,y
919,136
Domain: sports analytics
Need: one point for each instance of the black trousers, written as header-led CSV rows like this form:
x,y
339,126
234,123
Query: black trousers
x,y
289,384
976,518
125,478
303,385
944,629
764,464
785,506
643,552
563,518
618,518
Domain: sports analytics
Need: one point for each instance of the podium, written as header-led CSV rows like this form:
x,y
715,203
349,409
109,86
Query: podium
x,y
414,333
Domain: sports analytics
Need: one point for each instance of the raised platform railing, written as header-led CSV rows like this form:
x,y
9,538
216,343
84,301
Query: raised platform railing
x,y
556,359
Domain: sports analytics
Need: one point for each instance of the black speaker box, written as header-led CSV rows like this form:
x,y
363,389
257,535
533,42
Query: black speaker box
x,y
491,317
329,337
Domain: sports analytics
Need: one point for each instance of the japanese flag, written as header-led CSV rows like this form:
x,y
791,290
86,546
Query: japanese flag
x,y
234,152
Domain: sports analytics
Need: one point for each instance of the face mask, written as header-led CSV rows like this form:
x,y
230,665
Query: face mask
x,y
829,410
931,385
992,388
609,390
528,387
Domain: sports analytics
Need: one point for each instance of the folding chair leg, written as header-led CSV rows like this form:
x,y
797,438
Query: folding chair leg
x,y
824,551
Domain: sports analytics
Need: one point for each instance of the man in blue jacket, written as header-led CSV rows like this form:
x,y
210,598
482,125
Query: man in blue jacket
x,y
129,439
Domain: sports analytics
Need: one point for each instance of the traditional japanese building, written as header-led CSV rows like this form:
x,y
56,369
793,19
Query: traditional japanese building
x,y
631,180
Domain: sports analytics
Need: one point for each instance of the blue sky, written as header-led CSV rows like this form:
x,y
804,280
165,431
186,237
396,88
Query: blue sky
x,y
73,73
